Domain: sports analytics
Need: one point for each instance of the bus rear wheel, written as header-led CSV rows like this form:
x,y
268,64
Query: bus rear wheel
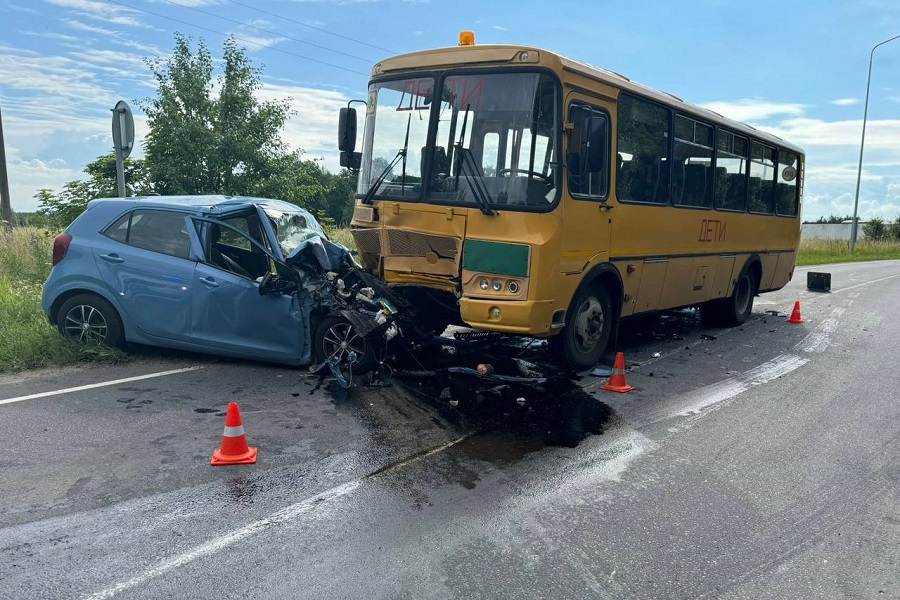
x,y
733,311
589,323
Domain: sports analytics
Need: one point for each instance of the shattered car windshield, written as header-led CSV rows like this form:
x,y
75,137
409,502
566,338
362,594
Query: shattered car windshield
x,y
292,228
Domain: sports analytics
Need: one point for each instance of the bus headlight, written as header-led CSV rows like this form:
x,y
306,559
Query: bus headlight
x,y
497,285
483,284
513,287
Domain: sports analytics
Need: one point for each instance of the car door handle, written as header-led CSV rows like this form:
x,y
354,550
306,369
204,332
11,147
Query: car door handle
x,y
209,282
113,258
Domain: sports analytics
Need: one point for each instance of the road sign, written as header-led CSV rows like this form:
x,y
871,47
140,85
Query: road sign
x,y
123,128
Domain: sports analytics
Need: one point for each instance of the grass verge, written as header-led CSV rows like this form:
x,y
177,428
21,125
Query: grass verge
x,y
819,252
27,339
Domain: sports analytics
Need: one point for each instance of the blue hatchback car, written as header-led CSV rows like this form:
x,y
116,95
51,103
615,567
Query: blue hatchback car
x,y
241,277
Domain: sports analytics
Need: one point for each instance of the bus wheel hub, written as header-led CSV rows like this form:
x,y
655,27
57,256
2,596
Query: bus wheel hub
x,y
589,324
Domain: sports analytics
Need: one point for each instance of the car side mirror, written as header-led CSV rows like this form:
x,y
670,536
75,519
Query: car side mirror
x,y
347,130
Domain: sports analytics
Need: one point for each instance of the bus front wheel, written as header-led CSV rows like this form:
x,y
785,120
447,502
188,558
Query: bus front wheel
x,y
589,323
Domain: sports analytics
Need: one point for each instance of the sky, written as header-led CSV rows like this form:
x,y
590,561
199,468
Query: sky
x,y
796,69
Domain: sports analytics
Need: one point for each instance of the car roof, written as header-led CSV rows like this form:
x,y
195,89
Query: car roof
x,y
199,203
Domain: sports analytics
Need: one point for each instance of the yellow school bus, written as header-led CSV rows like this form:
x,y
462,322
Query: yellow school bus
x,y
516,190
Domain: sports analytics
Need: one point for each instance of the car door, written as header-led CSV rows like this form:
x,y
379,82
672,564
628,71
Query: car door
x,y
230,315
146,257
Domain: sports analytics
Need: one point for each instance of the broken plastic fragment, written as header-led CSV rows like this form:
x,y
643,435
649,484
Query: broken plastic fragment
x,y
599,372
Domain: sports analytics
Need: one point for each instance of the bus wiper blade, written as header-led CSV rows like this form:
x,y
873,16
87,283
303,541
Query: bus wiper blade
x,y
401,153
476,184
367,199
484,204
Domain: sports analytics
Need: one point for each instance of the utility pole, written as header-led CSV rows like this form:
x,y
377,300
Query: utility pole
x,y
5,206
862,145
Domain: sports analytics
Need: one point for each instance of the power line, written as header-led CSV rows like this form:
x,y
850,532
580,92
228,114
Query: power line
x,y
302,24
246,41
270,32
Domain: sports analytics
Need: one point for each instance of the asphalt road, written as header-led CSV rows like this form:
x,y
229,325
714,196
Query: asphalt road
x,y
756,462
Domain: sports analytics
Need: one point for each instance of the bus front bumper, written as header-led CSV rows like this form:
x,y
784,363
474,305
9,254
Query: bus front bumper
x,y
520,317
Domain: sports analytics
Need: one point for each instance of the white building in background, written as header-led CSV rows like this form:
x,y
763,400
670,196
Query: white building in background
x,y
831,231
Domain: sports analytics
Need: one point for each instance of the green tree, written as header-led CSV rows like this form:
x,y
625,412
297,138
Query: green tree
x,y
61,209
894,229
875,229
201,142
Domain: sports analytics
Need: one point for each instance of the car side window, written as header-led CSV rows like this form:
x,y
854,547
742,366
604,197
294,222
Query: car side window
x,y
160,231
221,243
119,229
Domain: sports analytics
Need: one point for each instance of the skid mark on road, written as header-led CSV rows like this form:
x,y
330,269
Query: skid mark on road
x,y
717,395
284,515
92,386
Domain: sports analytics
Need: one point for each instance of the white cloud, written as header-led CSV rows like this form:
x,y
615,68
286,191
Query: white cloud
x,y
27,177
106,12
753,110
499,28
195,3
313,127
846,101
254,43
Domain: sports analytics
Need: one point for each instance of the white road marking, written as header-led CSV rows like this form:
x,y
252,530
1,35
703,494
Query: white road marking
x,y
283,515
864,283
220,543
97,385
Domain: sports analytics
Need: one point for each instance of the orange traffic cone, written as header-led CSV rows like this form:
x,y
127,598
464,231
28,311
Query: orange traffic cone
x,y
234,449
617,381
795,314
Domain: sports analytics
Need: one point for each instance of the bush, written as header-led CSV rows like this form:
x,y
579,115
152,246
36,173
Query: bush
x,y
875,230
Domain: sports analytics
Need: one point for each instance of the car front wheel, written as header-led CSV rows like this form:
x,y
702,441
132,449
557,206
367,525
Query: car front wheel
x,y
87,318
338,340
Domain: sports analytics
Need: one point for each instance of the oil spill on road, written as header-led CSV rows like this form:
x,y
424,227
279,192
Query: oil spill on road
x,y
522,404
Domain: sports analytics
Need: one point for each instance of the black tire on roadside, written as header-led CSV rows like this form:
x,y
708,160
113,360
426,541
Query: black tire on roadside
x,y
88,318
589,323
335,335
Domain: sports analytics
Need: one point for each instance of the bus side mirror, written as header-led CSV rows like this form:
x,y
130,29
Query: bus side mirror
x,y
351,160
347,130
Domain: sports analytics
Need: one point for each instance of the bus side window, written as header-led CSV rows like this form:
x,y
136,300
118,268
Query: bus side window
x,y
788,174
588,156
762,179
643,142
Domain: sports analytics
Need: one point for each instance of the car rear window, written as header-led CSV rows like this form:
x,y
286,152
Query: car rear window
x,y
156,230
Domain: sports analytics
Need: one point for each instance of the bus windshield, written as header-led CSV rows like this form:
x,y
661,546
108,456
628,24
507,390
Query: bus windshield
x,y
495,143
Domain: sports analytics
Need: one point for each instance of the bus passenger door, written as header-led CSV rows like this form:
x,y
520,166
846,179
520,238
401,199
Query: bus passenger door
x,y
586,212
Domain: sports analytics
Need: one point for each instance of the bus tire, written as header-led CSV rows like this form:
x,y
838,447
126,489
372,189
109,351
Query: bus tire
x,y
589,324
734,310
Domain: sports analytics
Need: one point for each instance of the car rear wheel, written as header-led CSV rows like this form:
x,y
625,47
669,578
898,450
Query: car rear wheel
x,y
336,338
89,319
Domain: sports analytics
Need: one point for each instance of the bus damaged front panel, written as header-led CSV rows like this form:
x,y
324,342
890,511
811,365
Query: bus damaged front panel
x,y
419,245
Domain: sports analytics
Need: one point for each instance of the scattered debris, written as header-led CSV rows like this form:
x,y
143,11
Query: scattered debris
x,y
484,369
600,372
707,337
657,354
